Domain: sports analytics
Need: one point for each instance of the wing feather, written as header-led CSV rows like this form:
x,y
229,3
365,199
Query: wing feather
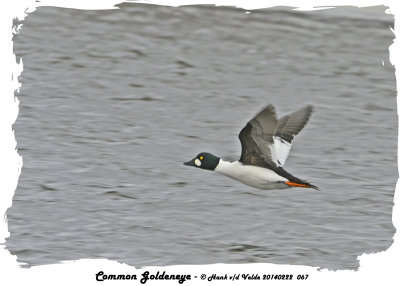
x,y
266,142
257,136
288,127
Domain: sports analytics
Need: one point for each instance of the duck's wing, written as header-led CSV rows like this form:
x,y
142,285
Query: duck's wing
x,y
288,127
257,139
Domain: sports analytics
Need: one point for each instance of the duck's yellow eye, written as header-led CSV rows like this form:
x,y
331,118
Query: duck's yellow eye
x,y
201,157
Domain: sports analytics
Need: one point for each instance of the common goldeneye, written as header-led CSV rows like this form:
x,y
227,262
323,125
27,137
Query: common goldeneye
x,y
266,143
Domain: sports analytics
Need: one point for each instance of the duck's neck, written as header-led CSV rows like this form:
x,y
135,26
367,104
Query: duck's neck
x,y
224,167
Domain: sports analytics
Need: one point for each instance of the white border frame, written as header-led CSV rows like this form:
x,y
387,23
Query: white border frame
x,y
375,268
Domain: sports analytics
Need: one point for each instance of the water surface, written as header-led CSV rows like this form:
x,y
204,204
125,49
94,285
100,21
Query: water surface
x,y
112,102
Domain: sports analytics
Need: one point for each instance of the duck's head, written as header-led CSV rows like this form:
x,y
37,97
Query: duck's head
x,y
204,161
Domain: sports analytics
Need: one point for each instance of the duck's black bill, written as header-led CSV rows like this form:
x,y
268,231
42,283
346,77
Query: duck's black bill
x,y
190,163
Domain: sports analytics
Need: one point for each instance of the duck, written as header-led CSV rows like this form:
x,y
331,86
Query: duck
x,y
266,143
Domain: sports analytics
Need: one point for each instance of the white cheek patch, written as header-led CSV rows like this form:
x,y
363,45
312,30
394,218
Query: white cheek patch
x,y
197,162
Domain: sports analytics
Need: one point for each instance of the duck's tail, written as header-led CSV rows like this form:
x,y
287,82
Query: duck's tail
x,y
292,181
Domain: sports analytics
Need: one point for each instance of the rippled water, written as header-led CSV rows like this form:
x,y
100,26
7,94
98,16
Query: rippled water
x,y
112,102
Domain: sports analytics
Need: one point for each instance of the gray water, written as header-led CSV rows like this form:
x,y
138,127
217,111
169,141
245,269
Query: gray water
x,y
112,102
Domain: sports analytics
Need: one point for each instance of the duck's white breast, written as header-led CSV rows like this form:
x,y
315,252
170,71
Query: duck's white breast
x,y
254,176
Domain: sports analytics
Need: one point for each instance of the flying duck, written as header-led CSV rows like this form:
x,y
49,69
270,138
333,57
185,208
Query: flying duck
x,y
266,143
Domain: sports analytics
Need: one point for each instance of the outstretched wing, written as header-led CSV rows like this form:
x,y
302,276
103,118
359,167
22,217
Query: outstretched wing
x,y
257,137
288,127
